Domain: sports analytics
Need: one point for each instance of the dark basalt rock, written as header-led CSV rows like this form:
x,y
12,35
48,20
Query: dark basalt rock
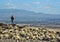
x,y
22,26
58,40
45,39
13,24
1,24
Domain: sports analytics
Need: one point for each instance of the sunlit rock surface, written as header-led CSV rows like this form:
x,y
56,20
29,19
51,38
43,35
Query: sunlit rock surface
x,y
21,33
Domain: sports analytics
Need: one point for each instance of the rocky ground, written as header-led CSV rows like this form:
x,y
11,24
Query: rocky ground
x,y
25,33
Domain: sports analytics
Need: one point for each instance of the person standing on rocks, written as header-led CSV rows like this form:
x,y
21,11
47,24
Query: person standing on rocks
x,y
12,19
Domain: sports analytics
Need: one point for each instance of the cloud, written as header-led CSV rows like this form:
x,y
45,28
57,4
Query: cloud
x,y
58,2
37,3
9,0
47,7
26,4
10,5
47,0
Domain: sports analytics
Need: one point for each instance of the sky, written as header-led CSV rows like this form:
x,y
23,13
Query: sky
x,y
43,6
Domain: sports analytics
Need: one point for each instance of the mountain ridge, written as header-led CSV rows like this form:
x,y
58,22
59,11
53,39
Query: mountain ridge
x,y
24,13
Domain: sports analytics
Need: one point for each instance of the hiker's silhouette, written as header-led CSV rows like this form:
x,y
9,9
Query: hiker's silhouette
x,y
12,19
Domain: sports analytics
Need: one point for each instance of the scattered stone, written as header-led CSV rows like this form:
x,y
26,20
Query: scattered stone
x,y
25,33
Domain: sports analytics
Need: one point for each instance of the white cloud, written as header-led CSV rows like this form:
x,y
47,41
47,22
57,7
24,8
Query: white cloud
x,y
26,4
36,3
47,7
10,5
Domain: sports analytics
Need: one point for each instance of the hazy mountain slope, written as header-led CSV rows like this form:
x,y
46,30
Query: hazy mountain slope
x,y
24,15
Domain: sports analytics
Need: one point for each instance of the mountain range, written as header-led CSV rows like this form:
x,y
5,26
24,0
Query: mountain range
x,y
25,15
